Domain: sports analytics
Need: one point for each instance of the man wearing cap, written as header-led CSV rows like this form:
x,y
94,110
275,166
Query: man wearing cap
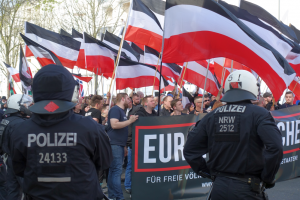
x,y
56,151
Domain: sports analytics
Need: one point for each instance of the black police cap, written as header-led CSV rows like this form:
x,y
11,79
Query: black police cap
x,y
52,88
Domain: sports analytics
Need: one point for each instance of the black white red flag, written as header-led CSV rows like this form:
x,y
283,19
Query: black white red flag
x,y
140,51
267,17
186,97
97,56
135,75
65,33
266,32
195,73
65,48
205,29
297,31
41,53
13,72
114,42
81,56
145,25
24,72
151,57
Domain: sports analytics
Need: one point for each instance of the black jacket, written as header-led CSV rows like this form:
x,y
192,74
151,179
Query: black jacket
x,y
13,119
140,111
59,156
143,113
164,112
240,138
1,114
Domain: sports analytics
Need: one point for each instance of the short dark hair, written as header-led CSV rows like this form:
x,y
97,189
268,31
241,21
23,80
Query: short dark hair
x,y
104,106
289,92
145,99
185,111
267,94
96,99
120,96
206,96
173,103
135,95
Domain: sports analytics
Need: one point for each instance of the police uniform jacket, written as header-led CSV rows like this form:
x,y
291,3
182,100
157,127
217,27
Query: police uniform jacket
x,y
11,120
234,135
59,156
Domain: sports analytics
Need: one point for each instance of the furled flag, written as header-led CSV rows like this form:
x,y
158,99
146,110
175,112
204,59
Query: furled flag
x,y
145,24
65,33
168,69
65,48
114,42
268,18
41,53
135,75
13,72
97,56
186,97
195,73
81,90
81,56
24,72
11,87
205,29
266,32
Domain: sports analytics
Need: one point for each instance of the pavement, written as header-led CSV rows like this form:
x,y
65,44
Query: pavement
x,y
285,190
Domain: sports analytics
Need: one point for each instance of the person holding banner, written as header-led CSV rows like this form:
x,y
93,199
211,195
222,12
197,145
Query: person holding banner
x,y
118,132
244,144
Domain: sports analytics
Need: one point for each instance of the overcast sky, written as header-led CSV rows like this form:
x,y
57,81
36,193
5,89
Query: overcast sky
x,y
289,9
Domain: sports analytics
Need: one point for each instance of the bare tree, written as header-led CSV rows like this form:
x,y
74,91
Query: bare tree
x,y
12,18
93,16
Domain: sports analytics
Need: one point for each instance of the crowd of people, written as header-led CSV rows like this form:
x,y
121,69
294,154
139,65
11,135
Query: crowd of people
x,y
118,113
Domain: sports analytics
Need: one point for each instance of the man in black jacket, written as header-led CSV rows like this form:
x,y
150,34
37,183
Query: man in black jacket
x,y
166,111
147,110
243,142
16,113
56,151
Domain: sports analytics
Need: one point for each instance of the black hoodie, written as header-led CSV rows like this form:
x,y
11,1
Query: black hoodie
x,y
60,155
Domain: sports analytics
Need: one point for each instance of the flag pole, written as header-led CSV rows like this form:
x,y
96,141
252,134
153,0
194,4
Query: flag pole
x,y
231,66
222,81
162,51
155,73
295,85
120,48
205,84
182,77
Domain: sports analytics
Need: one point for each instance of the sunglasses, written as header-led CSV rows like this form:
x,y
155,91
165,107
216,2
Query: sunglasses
x,y
206,100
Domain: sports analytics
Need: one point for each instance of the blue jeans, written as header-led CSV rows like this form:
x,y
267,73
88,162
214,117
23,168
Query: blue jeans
x,y
127,182
115,172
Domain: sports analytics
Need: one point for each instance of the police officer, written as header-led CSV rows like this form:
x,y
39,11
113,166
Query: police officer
x,y
16,113
243,142
56,151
